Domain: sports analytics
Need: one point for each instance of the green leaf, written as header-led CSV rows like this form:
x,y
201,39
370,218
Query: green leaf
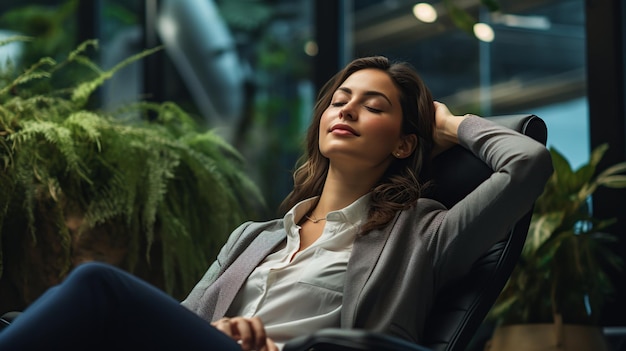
x,y
615,169
616,181
491,5
542,227
564,177
15,38
459,17
85,89
566,256
605,223
582,176
81,48
32,73
167,181
597,154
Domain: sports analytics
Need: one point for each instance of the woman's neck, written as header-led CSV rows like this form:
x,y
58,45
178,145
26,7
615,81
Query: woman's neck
x,y
340,191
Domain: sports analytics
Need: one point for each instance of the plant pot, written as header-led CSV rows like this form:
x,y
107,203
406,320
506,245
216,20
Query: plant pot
x,y
547,337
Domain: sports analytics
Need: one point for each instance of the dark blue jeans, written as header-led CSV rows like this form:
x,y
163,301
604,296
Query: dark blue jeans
x,y
100,307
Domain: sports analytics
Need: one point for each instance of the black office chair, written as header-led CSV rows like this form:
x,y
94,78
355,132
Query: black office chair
x,y
461,307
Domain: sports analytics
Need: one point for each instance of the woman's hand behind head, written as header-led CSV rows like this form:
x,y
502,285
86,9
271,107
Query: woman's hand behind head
x,y
445,134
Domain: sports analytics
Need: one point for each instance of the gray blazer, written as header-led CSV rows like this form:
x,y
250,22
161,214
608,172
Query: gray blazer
x,y
393,274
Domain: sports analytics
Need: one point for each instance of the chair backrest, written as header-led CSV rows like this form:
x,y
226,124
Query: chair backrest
x,y
461,307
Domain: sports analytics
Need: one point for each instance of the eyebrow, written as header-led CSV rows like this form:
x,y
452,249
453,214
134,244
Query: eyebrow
x,y
367,93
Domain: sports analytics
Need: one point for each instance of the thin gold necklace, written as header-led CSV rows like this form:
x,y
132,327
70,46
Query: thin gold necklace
x,y
314,220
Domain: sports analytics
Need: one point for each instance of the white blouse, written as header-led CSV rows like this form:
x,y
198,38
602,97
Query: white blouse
x,y
296,296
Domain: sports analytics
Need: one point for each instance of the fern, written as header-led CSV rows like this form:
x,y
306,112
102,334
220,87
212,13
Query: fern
x,y
164,181
85,89
33,73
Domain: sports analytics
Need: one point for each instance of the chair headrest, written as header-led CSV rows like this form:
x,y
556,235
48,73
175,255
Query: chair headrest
x,y
457,171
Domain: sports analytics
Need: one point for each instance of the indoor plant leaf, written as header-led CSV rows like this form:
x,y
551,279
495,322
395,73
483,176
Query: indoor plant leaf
x,y
566,256
541,228
72,174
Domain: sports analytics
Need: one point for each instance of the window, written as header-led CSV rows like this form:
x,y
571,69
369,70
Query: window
x,y
535,63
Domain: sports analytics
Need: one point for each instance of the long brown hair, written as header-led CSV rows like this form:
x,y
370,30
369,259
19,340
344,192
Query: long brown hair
x,y
400,186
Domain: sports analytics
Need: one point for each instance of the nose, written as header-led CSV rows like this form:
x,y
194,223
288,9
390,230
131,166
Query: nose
x,y
347,113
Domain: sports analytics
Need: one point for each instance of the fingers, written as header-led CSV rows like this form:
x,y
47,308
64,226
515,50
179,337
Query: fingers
x,y
445,133
439,105
270,345
258,336
441,120
442,113
223,325
249,332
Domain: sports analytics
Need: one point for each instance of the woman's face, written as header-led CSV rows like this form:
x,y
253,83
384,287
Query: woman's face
x,y
362,126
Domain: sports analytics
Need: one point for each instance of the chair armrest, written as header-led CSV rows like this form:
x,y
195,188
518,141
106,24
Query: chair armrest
x,y
335,339
8,318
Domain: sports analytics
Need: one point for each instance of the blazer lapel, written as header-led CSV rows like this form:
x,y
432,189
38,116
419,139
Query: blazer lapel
x,y
365,253
223,291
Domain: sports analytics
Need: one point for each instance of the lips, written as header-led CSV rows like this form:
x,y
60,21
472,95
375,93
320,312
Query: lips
x,y
343,129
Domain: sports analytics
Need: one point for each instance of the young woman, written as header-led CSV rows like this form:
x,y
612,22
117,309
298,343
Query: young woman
x,y
354,217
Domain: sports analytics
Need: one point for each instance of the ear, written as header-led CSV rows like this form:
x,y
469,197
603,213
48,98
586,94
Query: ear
x,y
406,146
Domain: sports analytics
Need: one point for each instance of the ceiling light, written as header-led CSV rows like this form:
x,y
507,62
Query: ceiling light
x,y
310,48
484,32
425,12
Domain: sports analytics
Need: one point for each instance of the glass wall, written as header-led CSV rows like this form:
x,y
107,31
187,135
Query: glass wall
x,y
535,62
245,68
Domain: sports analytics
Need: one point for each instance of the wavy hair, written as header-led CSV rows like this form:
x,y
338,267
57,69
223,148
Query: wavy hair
x,y
400,186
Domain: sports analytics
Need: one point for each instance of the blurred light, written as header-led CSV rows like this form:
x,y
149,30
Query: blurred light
x,y
168,27
484,32
527,22
310,48
425,12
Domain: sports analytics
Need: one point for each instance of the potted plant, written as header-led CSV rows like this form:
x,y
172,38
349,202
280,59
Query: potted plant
x,y
155,196
562,278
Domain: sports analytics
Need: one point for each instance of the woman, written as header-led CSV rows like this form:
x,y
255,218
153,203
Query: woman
x,y
354,216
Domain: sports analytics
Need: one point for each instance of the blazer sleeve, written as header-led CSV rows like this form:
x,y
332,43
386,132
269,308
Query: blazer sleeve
x,y
521,167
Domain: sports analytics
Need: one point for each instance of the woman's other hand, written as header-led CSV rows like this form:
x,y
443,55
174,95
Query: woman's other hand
x,y
249,332
445,134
